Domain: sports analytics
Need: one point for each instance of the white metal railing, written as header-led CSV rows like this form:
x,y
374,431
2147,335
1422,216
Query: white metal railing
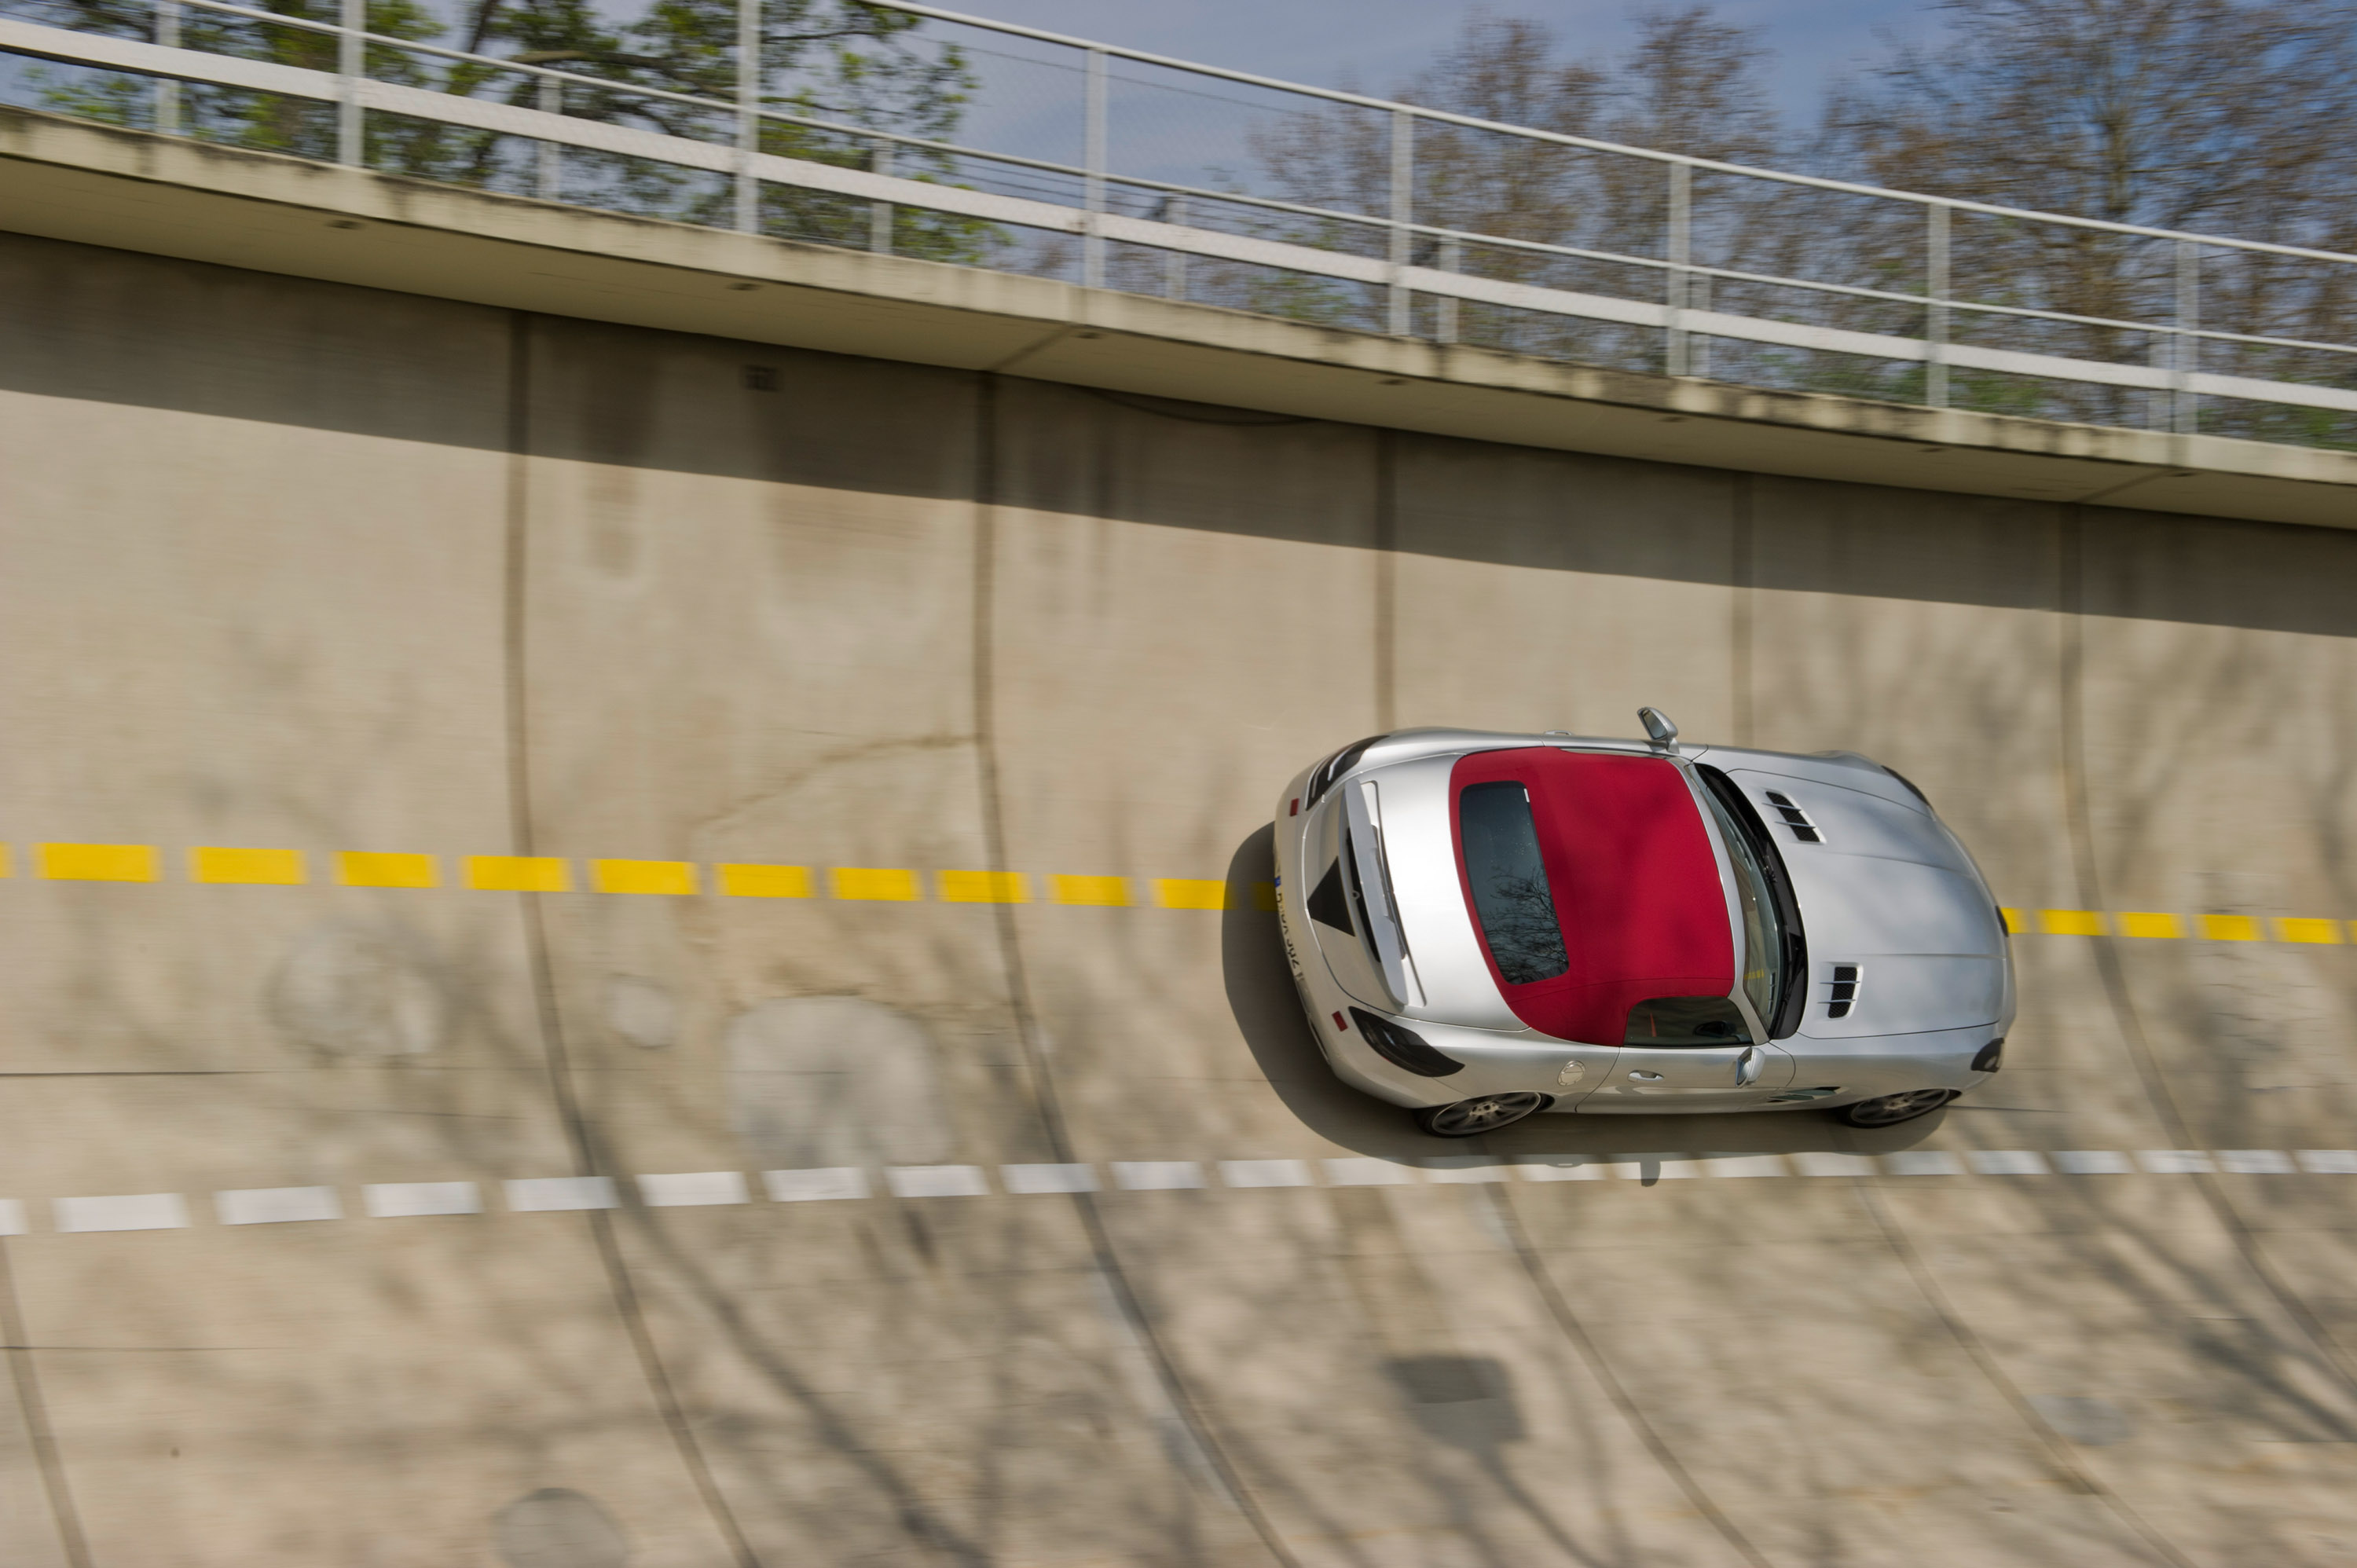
x,y
1396,254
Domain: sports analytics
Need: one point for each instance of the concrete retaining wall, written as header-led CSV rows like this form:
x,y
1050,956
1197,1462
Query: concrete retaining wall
x,y
540,601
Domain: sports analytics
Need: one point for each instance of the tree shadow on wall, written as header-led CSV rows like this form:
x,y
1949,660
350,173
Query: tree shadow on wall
x,y
1467,1403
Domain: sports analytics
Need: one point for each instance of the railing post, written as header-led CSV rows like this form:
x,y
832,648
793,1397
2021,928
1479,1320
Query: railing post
x,y
1174,263
880,213
748,116
351,64
1452,260
2185,352
168,91
1093,256
552,154
1935,315
1403,215
1698,343
1681,243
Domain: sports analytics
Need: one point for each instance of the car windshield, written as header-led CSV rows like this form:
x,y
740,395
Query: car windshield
x,y
1510,882
1763,933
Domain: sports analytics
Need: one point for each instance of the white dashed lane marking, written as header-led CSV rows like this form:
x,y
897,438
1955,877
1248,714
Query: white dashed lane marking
x,y
535,1195
1924,1162
402,1199
1465,1168
812,1186
1366,1173
131,1211
1264,1173
936,1181
1577,1170
1157,1176
1049,1178
1813,1162
277,1205
1745,1165
683,1189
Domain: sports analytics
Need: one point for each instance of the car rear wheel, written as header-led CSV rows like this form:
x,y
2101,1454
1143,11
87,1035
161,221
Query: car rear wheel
x,y
1890,1110
1482,1114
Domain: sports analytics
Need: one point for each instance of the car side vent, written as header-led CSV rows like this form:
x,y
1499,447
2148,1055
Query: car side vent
x,y
1329,905
1844,995
1794,818
1403,1047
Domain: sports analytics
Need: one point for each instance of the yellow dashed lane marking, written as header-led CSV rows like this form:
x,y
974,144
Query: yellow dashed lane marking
x,y
748,881
363,868
1108,892
1187,893
7,867
983,887
98,862
683,878
676,877
275,867
517,872
868,882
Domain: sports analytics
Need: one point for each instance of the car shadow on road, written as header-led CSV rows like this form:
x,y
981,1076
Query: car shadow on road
x,y
1267,1011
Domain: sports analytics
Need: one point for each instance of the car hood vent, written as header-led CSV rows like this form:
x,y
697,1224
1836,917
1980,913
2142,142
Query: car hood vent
x,y
1842,994
1794,818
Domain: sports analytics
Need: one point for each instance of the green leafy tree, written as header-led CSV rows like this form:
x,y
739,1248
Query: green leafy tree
x,y
840,71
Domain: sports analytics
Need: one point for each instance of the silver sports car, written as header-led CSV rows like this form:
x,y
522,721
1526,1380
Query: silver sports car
x,y
1487,926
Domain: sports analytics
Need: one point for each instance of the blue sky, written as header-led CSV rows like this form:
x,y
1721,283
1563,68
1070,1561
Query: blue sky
x,y
1380,41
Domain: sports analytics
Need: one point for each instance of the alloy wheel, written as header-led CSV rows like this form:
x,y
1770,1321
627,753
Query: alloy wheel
x,y
1482,1114
1893,1108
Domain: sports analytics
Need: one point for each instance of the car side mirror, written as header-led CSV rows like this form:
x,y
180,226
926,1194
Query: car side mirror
x,y
1658,727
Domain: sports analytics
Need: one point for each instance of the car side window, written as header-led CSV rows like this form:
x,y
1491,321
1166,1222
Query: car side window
x,y
1687,1021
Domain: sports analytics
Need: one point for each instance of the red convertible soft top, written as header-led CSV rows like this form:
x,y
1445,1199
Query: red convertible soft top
x,y
1633,880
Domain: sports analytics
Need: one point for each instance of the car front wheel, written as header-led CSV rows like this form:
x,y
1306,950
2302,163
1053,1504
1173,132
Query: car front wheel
x,y
1890,1110
1482,1114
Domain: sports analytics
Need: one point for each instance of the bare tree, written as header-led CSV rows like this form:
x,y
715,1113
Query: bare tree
x,y
2226,116
1696,84
1691,84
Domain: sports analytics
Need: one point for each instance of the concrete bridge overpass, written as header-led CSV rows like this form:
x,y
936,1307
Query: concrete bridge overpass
x,y
636,934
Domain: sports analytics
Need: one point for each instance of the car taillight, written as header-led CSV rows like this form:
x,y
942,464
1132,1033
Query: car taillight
x,y
1342,1026
1402,1048
1295,810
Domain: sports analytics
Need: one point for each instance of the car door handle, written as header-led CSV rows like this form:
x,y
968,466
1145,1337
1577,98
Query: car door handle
x,y
1646,1077
1747,1065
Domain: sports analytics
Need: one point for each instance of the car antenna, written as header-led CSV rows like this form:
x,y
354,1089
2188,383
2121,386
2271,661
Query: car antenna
x,y
1658,727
